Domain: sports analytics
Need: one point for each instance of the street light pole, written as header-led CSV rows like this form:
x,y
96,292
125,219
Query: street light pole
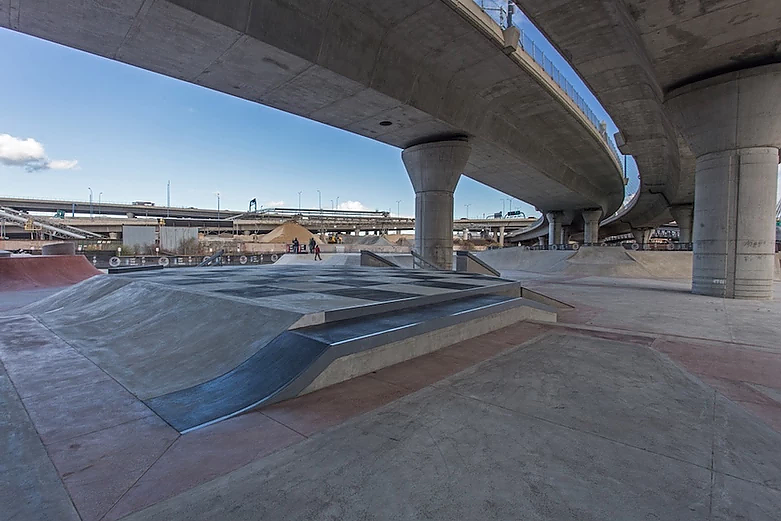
x,y
168,199
467,210
90,202
398,208
337,203
502,207
299,201
218,214
100,196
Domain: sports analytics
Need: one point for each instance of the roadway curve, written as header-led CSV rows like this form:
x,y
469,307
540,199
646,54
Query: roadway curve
x,y
601,41
433,69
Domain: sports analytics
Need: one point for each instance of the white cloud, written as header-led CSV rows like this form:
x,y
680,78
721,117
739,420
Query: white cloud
x,y
274,204
355,206
63,164
29,154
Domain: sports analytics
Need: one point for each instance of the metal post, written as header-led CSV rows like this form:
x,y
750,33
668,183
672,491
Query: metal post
x,y
398,208
90,202
100,197
467,210
299,202
168,199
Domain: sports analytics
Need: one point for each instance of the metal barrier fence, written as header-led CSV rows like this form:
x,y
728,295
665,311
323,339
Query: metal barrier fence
x,y
497,10
104,260
650,246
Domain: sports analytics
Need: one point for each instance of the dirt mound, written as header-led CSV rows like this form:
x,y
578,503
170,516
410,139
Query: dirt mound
x,y
374,240
44,271
285,233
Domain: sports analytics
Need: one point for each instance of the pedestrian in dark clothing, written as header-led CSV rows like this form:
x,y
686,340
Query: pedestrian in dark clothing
x,y
311,245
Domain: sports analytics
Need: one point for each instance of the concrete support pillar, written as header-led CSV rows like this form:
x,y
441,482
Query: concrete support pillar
x,y
642,235
591,225
683,215
434,169
555,230
733,124
501,236
542,240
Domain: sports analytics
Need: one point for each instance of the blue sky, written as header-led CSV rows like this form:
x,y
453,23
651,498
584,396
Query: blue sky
x,y
131,131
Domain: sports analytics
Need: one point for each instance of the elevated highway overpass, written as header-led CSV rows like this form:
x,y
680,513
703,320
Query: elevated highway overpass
x,y
437,78
695,89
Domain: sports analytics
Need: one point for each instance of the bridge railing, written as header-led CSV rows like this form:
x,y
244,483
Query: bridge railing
x,y
497,10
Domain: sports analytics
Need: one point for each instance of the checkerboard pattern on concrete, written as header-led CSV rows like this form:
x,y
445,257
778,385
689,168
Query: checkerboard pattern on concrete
x,y
317,288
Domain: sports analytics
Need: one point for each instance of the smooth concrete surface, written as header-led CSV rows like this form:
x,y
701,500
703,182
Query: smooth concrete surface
x,y
434,169
365,362
401,73
602,415
30,487
663,307
565,427
165,331
733,124
605,261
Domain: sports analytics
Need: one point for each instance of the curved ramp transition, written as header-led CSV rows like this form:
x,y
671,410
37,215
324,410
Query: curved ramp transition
x,y
198,345
44,271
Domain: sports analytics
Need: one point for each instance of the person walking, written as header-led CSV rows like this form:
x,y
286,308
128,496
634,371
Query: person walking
x,y
317,252
311,245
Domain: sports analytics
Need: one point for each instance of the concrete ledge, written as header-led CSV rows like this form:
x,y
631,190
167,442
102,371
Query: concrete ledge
x,y
372,260
364,362
468,263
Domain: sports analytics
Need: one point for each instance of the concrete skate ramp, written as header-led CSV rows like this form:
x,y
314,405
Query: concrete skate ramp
x,y
665,264
44,271
518,259
199,345
154,339
599,261
291,362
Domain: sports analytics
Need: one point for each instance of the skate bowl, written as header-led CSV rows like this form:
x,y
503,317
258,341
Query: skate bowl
x,y
600,261
44,271
199,345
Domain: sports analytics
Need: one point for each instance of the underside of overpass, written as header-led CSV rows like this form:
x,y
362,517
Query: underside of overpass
x,y
694,88
405,73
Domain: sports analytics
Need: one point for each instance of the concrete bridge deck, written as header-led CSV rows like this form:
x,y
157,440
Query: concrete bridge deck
x,y
403,73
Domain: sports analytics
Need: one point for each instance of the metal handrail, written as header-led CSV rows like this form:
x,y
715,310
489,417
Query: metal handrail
x,y
496,9
422,262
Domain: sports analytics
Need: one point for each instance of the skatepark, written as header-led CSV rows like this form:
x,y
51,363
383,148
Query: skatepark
x,y
311,390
